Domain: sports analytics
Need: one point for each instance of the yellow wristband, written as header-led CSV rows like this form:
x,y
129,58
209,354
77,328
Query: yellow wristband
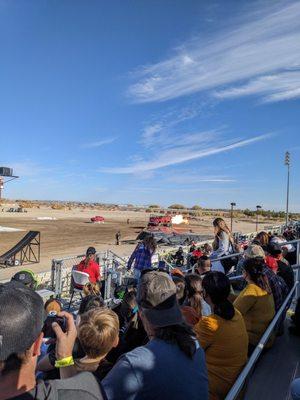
x,y
64,362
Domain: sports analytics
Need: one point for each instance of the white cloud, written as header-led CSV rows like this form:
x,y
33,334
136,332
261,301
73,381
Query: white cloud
x,y
183,153
98,143
268,43
279,87
194,178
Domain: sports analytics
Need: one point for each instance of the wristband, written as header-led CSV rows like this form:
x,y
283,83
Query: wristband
x,y
64,362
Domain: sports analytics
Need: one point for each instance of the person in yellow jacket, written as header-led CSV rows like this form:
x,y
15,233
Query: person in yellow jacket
x,y
255,302
222,336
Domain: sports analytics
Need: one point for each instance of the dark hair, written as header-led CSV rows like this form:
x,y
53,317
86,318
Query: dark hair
x,y
13,363
262,238
193,292
89,303
254,268
181,335
217,286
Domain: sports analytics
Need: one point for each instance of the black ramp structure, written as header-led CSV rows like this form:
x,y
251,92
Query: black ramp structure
x,y
27,250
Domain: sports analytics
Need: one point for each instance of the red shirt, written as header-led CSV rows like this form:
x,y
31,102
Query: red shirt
x,y
93,269
272,263
197,253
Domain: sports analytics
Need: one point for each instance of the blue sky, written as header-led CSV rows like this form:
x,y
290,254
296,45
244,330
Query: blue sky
x,y
151,101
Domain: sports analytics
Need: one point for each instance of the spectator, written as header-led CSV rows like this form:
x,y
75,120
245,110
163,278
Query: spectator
x,y
192,306
26,277
98,333
142,256
47,363
52,305
21,322
153,371
179,257
132,332
255,302
203,266
207,249
222,245
180,287
262,239
283,267
278,286
89,265
222,335
93,289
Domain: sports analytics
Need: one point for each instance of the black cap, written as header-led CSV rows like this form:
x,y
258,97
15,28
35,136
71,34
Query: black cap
x,y
21,318
24,277
274,249
90,250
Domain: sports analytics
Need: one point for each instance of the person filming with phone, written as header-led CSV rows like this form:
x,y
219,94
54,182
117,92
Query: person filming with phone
x,y
21,336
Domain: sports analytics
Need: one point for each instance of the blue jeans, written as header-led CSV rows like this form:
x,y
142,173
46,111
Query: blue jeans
x,y
137,274
295,389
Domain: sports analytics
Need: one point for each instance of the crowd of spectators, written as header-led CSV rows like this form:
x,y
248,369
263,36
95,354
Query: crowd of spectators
x,y
173,335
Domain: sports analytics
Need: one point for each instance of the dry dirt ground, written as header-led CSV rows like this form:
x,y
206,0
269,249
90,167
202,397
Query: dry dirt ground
x,y
72,232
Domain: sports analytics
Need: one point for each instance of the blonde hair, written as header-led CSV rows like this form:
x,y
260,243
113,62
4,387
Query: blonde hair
x,y
52,305
98,331
92,289
263,238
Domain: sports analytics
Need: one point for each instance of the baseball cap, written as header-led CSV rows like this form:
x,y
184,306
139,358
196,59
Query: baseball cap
x,y
157,297
21,318
26,277
274,249
90,250
254,251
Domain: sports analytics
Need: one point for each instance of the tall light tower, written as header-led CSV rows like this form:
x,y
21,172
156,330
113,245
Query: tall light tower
x,y
231,215
287,162
257,208
7,173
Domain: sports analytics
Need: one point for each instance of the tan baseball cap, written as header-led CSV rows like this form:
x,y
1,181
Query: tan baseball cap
x,y
254,251
157,298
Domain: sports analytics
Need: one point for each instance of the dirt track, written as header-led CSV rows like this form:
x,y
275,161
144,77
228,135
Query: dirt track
x,y
71,232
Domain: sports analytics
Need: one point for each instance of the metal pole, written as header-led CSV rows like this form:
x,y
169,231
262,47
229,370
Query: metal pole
x,y
256,227
231,217
287,196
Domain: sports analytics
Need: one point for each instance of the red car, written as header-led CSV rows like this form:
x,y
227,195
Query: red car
x,y
97,218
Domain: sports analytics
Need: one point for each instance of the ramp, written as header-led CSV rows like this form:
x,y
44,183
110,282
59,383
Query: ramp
x,y
27,250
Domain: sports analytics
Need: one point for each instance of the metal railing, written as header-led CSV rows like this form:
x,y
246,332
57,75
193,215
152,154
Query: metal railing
x,y
241,380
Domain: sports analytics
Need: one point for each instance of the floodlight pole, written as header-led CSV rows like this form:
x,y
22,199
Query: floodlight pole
x,y
257,208
287,162
231,215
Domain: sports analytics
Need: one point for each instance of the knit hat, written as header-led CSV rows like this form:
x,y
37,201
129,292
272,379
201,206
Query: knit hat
x,y
21,318
254,251
157,298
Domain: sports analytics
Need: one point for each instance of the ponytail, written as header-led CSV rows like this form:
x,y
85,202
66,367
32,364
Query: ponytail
x,y
254,268
193,292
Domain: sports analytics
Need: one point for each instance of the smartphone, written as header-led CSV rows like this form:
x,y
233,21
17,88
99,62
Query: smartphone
x,y
53,317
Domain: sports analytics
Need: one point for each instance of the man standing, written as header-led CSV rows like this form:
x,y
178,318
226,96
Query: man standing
x,y
90,266
118,238
21,322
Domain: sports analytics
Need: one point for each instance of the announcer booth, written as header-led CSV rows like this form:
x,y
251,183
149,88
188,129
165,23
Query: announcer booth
x,y
6,175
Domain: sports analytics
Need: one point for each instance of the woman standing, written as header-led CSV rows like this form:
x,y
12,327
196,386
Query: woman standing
x,y
222,245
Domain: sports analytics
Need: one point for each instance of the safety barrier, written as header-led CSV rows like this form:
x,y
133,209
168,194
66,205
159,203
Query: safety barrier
x,y
241,380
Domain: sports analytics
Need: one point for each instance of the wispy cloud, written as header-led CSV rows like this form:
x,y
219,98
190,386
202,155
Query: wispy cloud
x,y
279,87
195,178
248,53
184,153
98,143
